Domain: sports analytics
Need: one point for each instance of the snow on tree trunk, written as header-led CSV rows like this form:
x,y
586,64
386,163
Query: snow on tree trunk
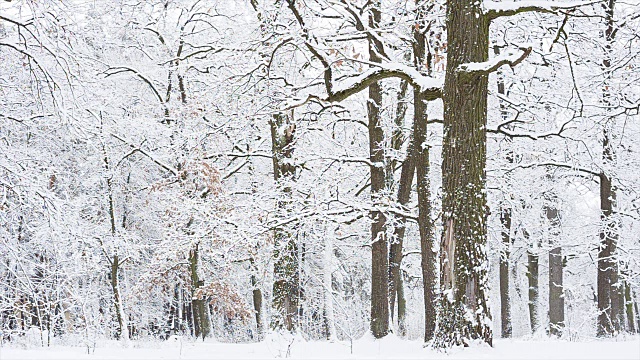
x,y
556,288
379,246
463,309
328,287
286,288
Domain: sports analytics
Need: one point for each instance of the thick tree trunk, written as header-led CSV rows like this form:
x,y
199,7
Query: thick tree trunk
x,y
286,289
463,247
379,249
556,289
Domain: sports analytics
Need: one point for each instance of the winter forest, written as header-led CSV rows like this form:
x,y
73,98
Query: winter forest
x,y
446,173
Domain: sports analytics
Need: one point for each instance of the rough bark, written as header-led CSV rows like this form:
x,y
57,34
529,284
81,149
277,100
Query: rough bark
x,y
286,290
463,246
556,289
379,249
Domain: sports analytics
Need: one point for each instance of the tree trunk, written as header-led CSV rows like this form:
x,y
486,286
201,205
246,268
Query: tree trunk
x,y
532,276
200,309
114,262
556,289
286,290
379,250
428,263
505,220
505,306
609,304
463,246
123,331
635,306
395,254
404,194
257,304
328,285
628,303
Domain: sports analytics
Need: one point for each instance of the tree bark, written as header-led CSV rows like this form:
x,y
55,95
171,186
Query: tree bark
x,y
463,260
379,250
505,306
610,311
635,306
122,331
428,261
556,289
257,301
328,285
286,289
505,220
532,276
200,308
404,194
628,303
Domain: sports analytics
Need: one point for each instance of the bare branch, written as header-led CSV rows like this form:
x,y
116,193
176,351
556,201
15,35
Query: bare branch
x,y
121,69
135,149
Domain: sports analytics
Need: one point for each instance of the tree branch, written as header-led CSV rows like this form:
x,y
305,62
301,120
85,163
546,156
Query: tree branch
x,y
135,149
494,9
120,69
487,67
428,86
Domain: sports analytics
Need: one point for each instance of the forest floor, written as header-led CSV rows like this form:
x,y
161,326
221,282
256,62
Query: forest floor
x,y
276,346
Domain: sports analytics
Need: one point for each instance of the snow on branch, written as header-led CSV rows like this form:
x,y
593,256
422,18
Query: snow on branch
x,y
495,9
430,87
557,165
510,58
122,69
138,149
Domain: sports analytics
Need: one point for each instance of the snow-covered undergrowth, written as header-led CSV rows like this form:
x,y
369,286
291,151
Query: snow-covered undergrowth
x,y
279,346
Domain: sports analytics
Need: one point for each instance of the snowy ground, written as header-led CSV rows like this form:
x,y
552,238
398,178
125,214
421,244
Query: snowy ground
x,y
281,347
